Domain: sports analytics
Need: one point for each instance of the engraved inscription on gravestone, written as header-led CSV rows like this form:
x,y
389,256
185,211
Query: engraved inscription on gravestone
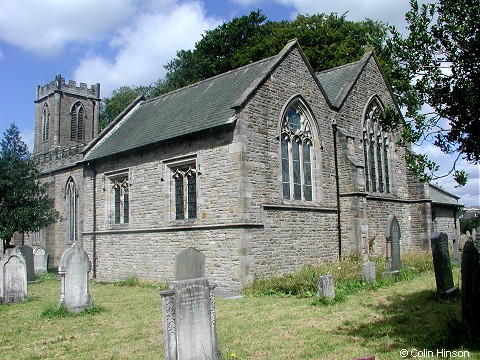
x,y
73,269
189,321
13,276
368,272
40,260
441,264
189,264
392,235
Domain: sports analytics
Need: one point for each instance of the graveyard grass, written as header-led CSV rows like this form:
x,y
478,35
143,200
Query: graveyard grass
x,y
125,322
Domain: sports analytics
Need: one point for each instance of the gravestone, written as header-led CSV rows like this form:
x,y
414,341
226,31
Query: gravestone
x,y
392,235
13,276
27,252
189,264
40,260
461,244
456,251
326,287
189,325
441,265
470,290
73,269
477,238
368,272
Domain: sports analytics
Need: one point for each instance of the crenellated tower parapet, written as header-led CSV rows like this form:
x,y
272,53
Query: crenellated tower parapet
x,y
66,119
71,87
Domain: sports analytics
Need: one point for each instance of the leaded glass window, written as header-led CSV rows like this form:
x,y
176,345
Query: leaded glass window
x,y
71,206
375,151
185,184
45,123
121,201
295,149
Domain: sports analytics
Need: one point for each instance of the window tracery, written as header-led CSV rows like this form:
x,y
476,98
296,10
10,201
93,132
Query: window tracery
x,y
376,150
185,183
296,147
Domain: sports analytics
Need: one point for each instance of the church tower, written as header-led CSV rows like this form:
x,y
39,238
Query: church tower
x,y
66,119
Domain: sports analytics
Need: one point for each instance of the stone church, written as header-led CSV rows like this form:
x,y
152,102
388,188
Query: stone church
x,y
263,169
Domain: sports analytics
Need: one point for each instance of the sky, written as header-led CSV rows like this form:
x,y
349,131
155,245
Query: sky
x,y
127,42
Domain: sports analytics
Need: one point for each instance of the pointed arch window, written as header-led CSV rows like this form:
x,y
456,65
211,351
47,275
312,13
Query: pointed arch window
x,y
376,150
296,142
71,206
77,115
45,122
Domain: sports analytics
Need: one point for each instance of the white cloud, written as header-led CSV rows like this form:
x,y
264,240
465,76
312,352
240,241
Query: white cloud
x,y
45,27
146,44
470,193
392,12
28,137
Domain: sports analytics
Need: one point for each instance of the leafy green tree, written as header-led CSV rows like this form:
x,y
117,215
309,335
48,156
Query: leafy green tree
x,y
327,40
435,74
24,203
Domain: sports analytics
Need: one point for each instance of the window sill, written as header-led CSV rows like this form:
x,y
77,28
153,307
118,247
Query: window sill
x,y
299,206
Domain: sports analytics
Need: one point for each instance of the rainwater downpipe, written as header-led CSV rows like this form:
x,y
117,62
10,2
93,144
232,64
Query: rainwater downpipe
x,y
94,226
335,155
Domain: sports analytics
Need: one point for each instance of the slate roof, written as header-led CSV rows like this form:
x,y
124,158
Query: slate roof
x,y
442,197
205,105
338,82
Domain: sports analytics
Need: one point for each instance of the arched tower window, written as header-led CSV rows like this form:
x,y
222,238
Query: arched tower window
x,y
45,122
71,206
296,142
376,149
77,122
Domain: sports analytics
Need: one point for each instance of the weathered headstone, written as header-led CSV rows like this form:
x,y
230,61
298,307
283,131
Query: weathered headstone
x,y
40,260
392,235
456,250
326,286
189,325
477,238
13,276
470,290
461,244
189,264
27,252
73,269
368,272
441,265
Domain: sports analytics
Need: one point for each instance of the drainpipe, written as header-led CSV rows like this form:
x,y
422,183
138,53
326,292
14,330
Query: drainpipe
x,y
94,226
339,229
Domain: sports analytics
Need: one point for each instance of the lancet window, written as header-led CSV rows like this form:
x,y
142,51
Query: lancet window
x,y
121,201
45,122
71,205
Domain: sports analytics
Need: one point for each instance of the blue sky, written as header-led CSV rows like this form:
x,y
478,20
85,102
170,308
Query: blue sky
x,y
127,42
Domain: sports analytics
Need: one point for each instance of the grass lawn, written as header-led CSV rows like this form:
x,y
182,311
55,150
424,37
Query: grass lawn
x,y
126,324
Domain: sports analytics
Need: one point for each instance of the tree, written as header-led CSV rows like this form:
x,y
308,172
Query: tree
x,y
435,75
24,203
327,40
